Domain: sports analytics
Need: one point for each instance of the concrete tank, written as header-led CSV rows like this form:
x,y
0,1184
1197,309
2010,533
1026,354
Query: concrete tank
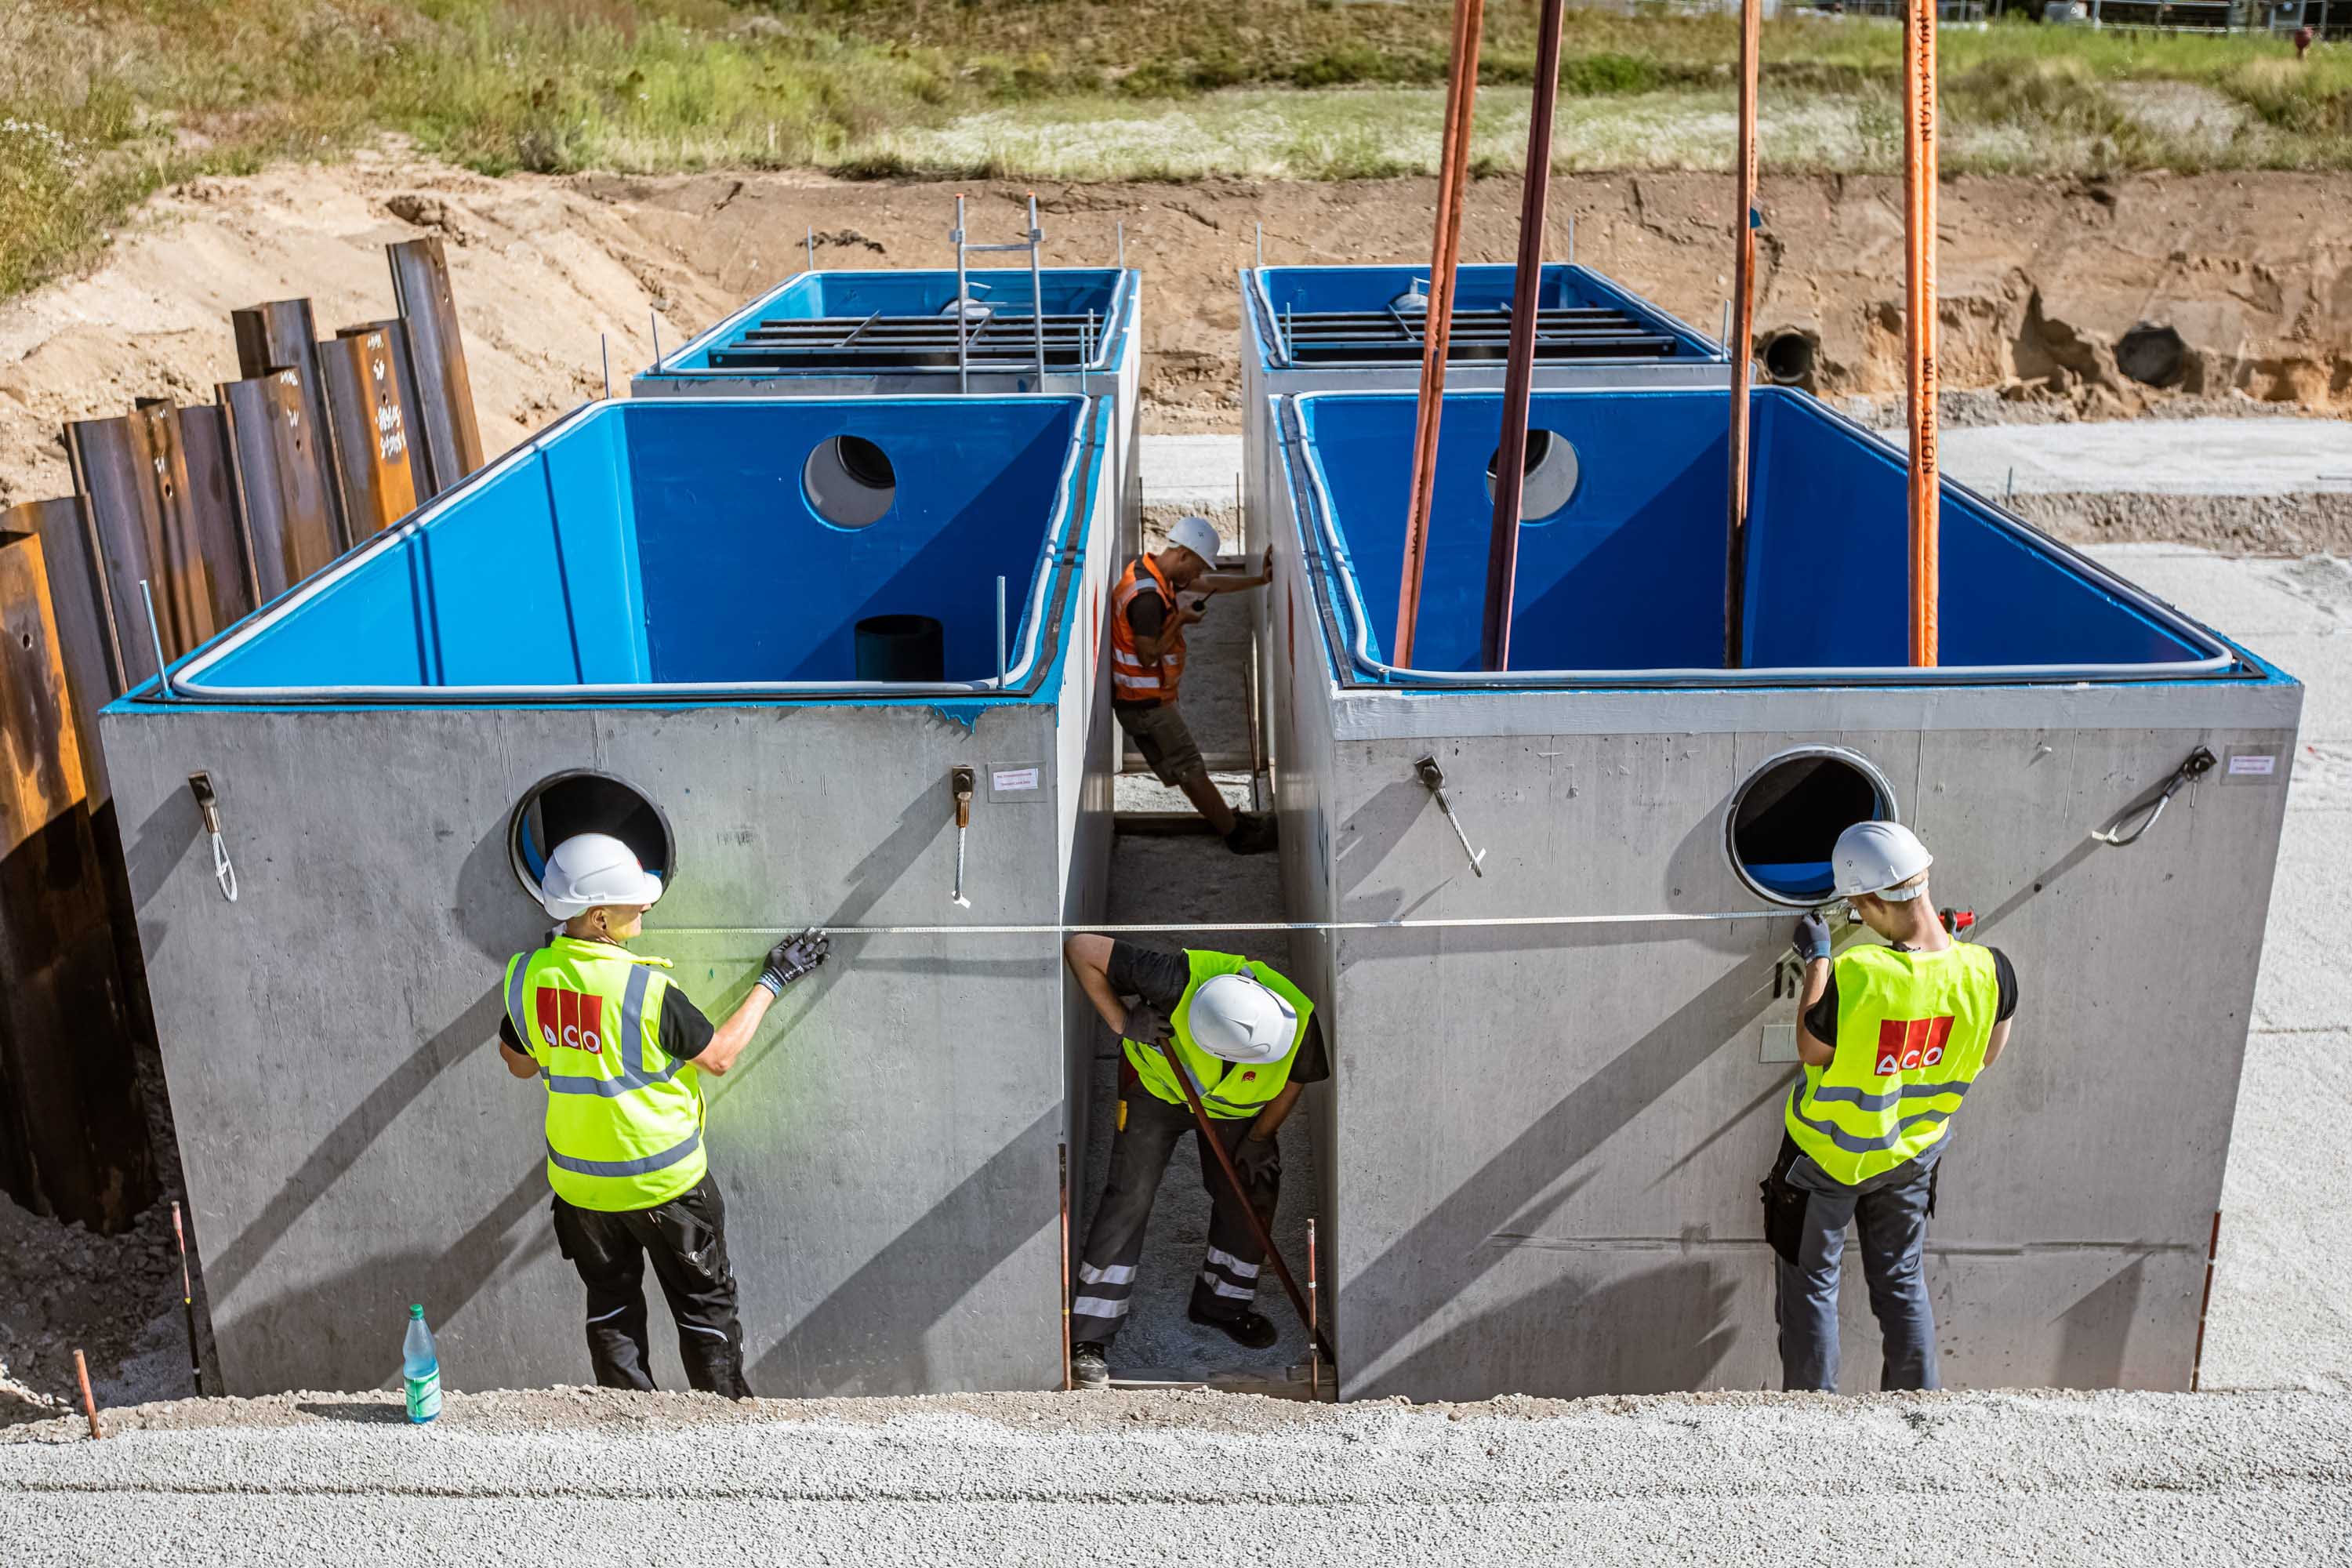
x,y
643,621
1541,1145
892,332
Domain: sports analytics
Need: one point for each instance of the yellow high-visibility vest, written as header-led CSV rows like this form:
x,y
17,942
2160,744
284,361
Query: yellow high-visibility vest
x,y
624,1116
1228,1089
1911,1034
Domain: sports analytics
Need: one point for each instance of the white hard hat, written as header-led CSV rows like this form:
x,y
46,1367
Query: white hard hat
x,y
1875,857
592,869
1240,1019
1197,534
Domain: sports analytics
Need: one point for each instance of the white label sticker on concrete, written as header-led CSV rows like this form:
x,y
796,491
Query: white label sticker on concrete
x,y
1780,1043
1023,778
2253,763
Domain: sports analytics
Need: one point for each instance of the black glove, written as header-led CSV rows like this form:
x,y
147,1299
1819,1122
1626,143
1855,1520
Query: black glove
x,y
1258,1161
1812,937
794,958
1147,1026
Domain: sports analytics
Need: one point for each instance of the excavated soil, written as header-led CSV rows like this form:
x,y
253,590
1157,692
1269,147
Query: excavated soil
x,y
2040,282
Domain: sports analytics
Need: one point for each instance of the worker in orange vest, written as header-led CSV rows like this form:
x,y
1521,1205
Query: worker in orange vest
x,y
1147,653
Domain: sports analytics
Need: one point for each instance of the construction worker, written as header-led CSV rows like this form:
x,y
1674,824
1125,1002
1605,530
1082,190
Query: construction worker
x,y
620,1051
1891,1038
1147,654
1250,1041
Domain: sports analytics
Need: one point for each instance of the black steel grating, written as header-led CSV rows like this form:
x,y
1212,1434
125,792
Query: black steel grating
x,y
1393,336
1000,342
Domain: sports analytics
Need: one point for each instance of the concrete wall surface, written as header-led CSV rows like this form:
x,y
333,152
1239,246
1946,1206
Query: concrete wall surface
x,y
1545,1142
887,1149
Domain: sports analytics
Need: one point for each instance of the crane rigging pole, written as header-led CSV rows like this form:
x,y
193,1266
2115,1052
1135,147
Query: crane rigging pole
x,y
1518,378
1746,220
1437,329
1919,322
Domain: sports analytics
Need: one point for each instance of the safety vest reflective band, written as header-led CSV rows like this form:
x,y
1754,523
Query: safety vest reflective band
x,y
1228,1089
1911,1035
624,1116
1131,680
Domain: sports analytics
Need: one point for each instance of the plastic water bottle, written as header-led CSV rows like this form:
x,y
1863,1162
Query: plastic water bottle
x,y
420,1369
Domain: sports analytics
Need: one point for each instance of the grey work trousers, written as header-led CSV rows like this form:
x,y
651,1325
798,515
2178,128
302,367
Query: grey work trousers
x,y
1889,1213
687,1239
1227,1282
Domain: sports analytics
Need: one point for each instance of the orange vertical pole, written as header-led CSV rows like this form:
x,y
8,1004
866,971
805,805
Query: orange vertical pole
x,y
1744,220
1437,331
1919,283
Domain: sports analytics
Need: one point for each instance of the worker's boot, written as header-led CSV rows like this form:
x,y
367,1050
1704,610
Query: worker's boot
x,y
1253,834
1089,1368
1252,1330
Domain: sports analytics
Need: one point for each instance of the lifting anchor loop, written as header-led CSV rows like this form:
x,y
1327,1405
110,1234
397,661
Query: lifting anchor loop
x,y
960,780
208,806
1434,778
2198,763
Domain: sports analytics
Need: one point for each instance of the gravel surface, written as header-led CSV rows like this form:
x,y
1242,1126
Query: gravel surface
x,y
116,1298
580,1477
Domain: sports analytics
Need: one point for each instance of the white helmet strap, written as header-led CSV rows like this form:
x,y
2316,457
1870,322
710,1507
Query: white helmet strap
x,y
1900,895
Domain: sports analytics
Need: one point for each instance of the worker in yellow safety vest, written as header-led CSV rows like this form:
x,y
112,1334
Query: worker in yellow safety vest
x,y
1890,1038
1249,1039
619,1050
1147,669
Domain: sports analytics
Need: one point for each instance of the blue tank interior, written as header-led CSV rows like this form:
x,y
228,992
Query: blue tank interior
x,y
1069,291
659,540
1487,286
1629,574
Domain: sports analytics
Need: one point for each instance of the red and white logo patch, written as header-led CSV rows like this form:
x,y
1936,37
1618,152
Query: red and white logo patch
x,y
570,1020
1908,1045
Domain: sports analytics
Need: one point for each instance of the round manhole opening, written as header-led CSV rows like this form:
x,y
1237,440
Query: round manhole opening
x,y
1785,820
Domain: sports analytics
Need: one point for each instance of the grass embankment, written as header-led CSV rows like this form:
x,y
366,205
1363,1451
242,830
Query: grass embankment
x,y
102,100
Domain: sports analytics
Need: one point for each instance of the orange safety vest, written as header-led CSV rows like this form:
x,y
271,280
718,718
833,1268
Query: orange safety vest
x,y
1132,680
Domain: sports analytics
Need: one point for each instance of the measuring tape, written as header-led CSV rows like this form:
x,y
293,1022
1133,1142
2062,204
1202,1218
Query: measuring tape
x,y
1466,922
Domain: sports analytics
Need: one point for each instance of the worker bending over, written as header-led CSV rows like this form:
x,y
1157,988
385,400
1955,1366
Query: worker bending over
x,y
620,1051
1891,1038
1147,664
1249,1039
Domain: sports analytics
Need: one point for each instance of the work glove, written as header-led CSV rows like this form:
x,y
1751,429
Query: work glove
x,y
1258,1161
794,958
1813,940
1147,1026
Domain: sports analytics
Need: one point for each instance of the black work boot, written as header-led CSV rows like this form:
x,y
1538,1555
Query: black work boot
x,y
1089,1368
1254,833
1252,1329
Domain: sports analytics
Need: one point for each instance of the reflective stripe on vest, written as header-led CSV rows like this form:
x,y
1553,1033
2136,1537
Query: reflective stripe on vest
x,y
1229,1090
1911,1035
1132,680
624,1116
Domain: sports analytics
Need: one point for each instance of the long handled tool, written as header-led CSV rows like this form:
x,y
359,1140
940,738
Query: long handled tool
x,y
188,1304
1241,1195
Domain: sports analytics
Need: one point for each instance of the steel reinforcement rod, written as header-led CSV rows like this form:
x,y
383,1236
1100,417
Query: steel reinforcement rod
x,y
1437,327
1919,162
1745,222
1519,377
1171,928
1216,1146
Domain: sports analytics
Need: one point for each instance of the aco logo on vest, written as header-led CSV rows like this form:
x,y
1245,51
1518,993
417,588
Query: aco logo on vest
x,y
1908,1045
570,1020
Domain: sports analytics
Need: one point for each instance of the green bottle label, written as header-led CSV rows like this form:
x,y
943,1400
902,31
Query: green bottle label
x,y
424,1396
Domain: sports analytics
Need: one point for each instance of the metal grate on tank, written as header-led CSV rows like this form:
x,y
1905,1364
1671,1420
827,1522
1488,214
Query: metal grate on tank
x,y
997,341
1566,333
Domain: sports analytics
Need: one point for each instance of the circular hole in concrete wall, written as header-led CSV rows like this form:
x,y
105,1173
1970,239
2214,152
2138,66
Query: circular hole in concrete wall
x,y
1552,471
850,482
2152,355
1788,357
583,800
1785,820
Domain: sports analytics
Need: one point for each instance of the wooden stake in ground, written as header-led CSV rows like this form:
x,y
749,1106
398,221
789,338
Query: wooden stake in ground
x,y
1437,325
1744,222
88,1401
1919,323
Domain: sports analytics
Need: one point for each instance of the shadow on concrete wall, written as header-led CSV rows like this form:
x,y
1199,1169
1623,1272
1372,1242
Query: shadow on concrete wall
x,y
2095,1333
866,1336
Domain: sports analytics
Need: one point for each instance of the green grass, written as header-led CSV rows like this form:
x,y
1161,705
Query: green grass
x,y
103,100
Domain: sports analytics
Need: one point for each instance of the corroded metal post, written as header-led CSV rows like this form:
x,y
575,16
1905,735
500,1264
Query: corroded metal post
x,y
1745,221
1919,322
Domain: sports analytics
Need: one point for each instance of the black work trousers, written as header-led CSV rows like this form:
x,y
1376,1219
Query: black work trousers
x,y
687,1238
1139,1155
